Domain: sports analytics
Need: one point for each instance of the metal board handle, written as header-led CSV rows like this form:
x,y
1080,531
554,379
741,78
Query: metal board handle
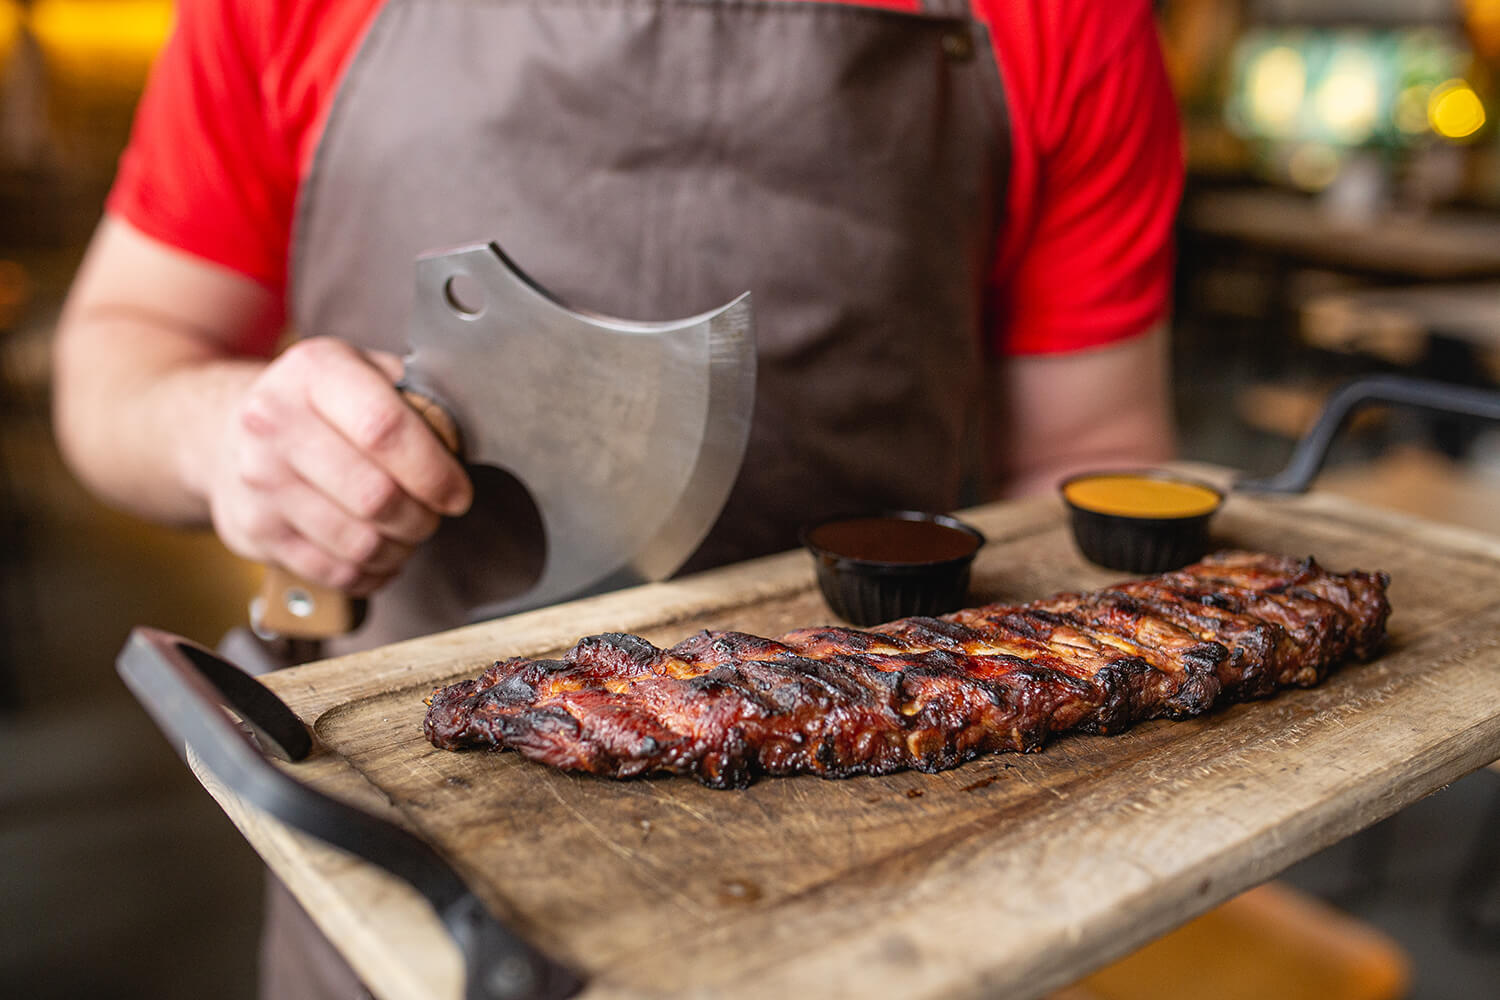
x,y
1307,458
185,687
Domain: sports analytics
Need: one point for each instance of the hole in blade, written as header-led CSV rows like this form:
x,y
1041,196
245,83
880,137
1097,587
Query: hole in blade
x,y
465,295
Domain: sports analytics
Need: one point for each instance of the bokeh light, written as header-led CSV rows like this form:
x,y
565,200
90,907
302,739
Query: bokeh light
x,y
1455,110
110,42
1348,99
1276,85
10,29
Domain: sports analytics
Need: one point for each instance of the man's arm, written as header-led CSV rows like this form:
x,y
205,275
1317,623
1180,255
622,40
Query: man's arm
x,y
1080,306
1101,408
167,405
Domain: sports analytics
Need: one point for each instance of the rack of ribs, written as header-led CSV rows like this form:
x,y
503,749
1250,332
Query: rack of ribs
x,y
927,693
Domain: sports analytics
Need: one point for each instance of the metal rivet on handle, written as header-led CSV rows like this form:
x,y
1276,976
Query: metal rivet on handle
x,y
300,603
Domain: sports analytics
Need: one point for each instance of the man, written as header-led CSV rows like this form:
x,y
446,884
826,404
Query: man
x,y
909,195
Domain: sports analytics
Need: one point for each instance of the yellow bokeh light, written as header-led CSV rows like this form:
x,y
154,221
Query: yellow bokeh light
x,y
1454,110
10,28
1348,101
1276,84
108,41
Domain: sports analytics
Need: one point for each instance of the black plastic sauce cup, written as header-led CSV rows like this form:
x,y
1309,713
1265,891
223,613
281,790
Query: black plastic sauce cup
x,y
875,568
1140,544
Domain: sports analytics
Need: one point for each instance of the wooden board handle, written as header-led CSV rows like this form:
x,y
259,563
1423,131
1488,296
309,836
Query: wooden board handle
x,y
290,606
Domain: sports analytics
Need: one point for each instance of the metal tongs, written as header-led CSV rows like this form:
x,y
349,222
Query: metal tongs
x,y
1307,458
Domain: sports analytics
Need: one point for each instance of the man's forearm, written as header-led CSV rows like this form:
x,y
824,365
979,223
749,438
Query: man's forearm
x,y
153,348
1125,447
1108,407
140,411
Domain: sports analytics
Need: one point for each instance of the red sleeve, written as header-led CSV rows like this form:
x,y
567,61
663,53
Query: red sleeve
x,y
1096,176
202,172
227,124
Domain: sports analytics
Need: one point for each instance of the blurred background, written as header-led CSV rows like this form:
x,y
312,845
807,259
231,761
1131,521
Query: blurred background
x,y
1342,217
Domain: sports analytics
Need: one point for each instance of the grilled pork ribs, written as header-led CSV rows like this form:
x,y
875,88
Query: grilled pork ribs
x,y
928,693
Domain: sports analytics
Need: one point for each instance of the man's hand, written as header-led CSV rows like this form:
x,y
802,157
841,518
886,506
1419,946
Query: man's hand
x,y
167,405
327,472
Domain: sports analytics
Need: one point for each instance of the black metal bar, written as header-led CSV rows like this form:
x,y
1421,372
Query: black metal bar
x,y
1307,458
185,688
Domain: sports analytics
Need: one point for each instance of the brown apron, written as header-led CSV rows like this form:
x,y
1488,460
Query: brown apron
x,y
652,159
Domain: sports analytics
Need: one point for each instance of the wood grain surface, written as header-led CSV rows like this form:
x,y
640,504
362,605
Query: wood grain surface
x,y
1010,876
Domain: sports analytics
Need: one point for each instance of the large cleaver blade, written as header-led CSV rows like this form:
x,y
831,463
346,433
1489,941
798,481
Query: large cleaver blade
x,y
628,435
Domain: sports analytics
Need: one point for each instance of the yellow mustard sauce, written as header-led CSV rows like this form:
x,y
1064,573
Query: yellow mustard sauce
x,y
1140,496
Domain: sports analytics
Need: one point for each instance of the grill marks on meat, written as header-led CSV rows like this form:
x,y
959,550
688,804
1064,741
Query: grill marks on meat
x,y
928,693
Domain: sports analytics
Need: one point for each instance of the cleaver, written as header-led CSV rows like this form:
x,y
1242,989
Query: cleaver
x,y
628,435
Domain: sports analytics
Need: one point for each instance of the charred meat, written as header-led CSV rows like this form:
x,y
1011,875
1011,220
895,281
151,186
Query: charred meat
x,y
928,693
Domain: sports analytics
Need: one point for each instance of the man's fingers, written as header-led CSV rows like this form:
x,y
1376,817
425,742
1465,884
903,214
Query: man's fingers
x,y
363,406
315,540
312,563
330,473
330,464
347,540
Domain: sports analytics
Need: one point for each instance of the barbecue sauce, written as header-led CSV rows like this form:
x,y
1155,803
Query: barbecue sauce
x,y
1127,495
892,540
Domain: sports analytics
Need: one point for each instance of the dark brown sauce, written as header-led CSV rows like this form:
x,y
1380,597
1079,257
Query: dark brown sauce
x,y
893,540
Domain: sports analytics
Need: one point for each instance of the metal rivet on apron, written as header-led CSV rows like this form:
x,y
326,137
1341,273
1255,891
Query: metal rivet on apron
x,y
958,45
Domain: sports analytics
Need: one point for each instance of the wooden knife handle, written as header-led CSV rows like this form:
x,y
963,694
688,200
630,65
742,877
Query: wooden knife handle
x,y
290,606
294,608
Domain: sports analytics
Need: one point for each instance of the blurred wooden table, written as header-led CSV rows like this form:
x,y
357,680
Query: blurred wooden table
x,y
1440,246
1418,481
1395,324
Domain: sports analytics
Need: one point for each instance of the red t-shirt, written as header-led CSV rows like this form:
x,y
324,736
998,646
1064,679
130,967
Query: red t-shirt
x,y
228,125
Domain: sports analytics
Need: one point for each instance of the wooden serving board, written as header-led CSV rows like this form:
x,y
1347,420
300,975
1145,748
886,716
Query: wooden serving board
x,y
1009,876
